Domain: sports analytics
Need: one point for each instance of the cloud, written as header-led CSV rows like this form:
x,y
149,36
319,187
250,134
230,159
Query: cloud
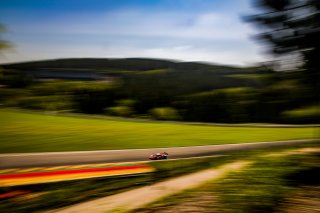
x,y
210,35
203,54
210,25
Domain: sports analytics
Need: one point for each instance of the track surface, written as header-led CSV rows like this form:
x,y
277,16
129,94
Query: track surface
x,y
111,156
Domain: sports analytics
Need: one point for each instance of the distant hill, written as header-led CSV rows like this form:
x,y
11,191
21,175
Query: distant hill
x,y
94,63
129,64
197,76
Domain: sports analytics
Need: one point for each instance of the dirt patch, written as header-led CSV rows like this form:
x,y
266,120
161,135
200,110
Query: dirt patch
x,y
295,152
142,196
198,202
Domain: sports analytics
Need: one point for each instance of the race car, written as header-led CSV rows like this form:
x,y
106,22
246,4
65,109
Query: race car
x,y
159,156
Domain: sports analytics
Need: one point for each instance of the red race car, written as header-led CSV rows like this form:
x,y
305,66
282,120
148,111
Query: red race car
x,y
159,156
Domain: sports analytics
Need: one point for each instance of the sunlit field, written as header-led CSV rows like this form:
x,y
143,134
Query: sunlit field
x,y
32,132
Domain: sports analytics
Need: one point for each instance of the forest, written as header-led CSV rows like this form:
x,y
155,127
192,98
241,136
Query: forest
x,y
160,89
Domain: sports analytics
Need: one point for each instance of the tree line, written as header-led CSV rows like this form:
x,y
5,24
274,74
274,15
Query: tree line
x,y
197,93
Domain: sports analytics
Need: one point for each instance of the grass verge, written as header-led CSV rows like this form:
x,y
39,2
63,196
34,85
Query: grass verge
x,y
32,132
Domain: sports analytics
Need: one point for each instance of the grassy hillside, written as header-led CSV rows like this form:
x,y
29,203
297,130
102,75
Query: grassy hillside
x,y
31,132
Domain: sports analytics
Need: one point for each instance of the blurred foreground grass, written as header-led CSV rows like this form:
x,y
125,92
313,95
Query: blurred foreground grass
x,y
264,186
270,184
32,132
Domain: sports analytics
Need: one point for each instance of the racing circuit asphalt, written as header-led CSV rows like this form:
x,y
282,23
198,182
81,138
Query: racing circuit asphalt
x,y
111,156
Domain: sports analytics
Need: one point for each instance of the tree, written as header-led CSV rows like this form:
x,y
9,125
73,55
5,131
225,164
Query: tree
x,y
292,28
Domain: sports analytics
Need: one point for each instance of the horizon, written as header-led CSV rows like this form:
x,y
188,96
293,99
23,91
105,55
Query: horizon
x,y
190,31
161,59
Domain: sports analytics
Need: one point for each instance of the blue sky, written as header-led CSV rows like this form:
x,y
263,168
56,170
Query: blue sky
x,y
188,30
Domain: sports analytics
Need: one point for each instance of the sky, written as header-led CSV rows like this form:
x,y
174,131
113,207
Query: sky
x,y
187,30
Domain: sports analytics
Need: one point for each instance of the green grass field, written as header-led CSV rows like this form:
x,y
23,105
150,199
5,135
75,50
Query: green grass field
x,y
32,132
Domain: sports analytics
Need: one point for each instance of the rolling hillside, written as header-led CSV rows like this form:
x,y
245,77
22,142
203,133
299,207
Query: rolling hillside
x,y
195,75
132,64
154,88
